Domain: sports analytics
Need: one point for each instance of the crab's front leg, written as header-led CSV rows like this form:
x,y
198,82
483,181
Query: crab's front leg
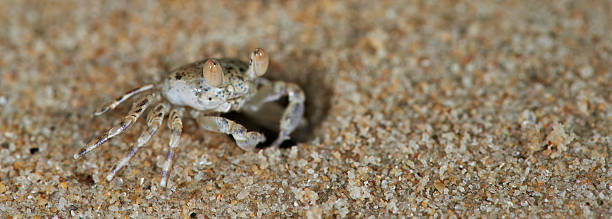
x,y
244,139
294,111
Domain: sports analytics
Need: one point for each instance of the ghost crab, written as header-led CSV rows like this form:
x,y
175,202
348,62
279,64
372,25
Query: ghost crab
x,y
205,89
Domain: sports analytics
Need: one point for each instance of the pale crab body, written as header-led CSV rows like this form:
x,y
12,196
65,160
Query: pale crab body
x,y
185,87
206,89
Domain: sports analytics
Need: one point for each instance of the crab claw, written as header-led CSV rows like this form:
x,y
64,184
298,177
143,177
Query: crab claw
x,y
213,74
259,63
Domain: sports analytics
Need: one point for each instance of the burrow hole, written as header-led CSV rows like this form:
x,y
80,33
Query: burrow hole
x,y
316,85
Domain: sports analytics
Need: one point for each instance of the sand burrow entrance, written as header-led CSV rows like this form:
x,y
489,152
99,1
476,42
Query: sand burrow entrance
x,y
318,90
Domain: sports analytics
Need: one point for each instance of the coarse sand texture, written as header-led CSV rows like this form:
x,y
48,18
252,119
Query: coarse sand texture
x,y
494,109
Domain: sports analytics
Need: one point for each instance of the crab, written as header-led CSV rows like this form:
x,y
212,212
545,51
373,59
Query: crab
x,y
204,90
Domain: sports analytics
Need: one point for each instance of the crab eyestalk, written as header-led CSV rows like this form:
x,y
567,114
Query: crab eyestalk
x,y
213,74
258,63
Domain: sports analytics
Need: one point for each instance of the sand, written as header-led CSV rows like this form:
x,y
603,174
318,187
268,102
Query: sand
x,y
414,108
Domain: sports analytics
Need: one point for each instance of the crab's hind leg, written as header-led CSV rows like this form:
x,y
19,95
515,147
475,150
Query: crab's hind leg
x,y
244,139
294,111
127,95
154,121
137,109
175,124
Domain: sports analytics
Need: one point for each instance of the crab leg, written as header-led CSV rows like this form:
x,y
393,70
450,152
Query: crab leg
x,y
154,121
294,111
244,139
137,109
122,98
176,126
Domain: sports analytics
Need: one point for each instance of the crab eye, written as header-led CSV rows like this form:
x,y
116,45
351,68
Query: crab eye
x,y
213,74
260,61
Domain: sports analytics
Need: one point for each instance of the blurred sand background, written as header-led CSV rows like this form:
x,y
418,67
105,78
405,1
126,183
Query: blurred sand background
x,y
415,108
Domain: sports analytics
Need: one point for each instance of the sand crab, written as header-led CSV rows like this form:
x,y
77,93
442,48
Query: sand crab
x,y
205,89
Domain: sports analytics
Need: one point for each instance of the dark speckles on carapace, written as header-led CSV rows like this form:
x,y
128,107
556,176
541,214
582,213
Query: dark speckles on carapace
x,y
179,75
